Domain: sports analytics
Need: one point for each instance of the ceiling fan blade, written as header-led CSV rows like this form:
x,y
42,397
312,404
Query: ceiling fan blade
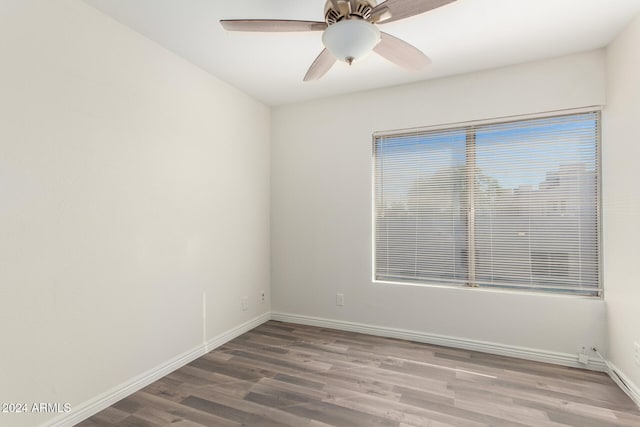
x,y
401,53
400,9
320,66
380,15
272,25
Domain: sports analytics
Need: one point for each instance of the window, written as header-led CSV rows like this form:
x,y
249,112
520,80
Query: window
x,y
511,205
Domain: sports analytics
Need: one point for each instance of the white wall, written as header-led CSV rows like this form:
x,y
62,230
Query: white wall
x,y
130,184
321,207
621,203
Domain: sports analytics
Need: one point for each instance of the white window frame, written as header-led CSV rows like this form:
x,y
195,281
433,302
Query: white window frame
x,y
597,293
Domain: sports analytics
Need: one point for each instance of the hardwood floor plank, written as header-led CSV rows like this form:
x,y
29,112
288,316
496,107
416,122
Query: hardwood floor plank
x,y
217,409
281,374
339,415
276,399
113,415
109,416
247,412
153,402
134,421
159,416
228,369
402,413
296,380
268,385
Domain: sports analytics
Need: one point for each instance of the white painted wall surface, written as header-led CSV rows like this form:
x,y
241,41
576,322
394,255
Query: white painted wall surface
x,y
321,207
131,182
621,193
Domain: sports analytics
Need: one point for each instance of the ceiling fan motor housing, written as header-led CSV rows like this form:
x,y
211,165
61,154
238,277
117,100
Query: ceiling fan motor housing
x,y
337,10
350,32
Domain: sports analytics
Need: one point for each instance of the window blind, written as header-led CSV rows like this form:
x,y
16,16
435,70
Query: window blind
x,y
508,205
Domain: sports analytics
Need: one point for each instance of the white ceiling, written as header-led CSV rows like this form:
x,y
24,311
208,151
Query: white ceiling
x,y
467,35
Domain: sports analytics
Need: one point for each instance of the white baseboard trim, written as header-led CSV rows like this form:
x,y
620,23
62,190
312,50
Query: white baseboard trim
x,y
563,359
225,337
93,406
103,401
631,389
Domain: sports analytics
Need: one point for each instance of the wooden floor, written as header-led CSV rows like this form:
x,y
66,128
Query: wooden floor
x,y
285,374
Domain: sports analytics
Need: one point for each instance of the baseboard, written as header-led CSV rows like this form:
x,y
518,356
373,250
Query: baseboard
x,y
631,389
563,359
91,407
237,331
103,401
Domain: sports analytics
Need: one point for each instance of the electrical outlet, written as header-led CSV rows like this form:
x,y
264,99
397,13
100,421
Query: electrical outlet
x,y
583,357
636,346
244,302
339,300
262,297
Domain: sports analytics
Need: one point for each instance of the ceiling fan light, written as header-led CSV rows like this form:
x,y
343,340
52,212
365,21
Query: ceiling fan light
x,y
350,40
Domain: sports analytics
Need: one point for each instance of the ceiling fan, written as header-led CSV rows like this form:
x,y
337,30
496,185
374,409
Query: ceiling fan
x,y
350,32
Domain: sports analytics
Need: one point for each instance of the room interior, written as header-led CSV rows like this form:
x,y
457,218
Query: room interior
x,y
156,206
